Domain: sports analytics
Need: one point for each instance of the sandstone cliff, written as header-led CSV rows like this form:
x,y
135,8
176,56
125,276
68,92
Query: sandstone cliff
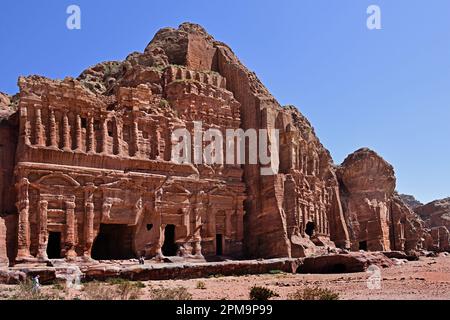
x,y
118,116
436,216
3,243
377,217
435,213
91,160
279,206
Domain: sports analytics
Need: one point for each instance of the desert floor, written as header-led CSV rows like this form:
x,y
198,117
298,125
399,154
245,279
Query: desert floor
x,y
428,278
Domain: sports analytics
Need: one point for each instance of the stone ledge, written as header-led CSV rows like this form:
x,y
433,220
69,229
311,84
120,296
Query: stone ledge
x,y
335,263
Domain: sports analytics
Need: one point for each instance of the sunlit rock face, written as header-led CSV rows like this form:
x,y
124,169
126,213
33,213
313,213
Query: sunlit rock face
x,y
89,172
378,219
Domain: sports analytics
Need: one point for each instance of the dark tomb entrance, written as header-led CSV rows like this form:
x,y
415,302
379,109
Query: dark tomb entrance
x,y
363,245
310,227
219,245
114,242
169,248
54,245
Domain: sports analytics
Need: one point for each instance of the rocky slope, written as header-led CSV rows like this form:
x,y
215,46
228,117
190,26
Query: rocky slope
x,y
410,201
435,213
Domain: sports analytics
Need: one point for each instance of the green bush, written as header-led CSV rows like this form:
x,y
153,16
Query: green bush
x,y
262,293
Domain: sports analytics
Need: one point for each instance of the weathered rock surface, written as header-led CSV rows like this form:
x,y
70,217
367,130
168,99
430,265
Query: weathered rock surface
x,y
87,167
3,243
378,219
435,213
5,106
103,271
436,216
344,263
410,201
91,160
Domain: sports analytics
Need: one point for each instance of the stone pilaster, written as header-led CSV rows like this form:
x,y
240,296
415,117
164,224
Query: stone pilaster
x,y
43,232
52,125
105,136
78,134
26,128
70,231
66,133
90,147
23,206
135,139
39,127
89,219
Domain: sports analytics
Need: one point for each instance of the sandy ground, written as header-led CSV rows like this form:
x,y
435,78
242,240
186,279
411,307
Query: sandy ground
x,y
428,278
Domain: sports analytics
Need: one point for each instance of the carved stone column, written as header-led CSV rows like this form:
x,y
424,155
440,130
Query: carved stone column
x,y
43,232
197,231
118,137
66,133
136,138
40,131
159,236
78,134
23,205
70,231
90,148
187,220
105,136
52,125
26,128
89,219
199,212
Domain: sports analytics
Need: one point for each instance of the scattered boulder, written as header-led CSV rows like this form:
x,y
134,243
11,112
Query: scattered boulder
x,y
348,263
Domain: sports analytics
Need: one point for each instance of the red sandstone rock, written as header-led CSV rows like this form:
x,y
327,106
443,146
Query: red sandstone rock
x,y
3,244
410,201
91,162
344,263
93,169
378,219
435,213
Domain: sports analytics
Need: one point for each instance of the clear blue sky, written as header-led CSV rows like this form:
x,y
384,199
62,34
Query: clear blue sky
x,y
385,89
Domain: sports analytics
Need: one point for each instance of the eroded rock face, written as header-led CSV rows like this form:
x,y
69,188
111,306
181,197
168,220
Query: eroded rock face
x,y
95,177
410,201
8,145
3,244
378,219
344,263
436,216
436,213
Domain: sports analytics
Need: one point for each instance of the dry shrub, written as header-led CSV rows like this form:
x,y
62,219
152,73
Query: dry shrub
x,y
262,293
113,290
178,293
26,291
314,294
